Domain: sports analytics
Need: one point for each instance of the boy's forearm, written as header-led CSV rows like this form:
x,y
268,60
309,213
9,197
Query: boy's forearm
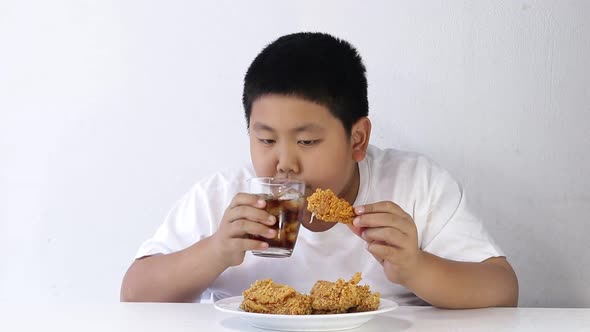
x,y
178,277
459,285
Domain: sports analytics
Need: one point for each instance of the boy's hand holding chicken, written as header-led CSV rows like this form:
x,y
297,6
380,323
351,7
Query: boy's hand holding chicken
x,y
392,238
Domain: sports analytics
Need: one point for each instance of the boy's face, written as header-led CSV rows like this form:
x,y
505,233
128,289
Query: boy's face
x,y
292,137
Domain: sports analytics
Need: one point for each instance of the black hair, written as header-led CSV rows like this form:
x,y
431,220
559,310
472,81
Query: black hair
x,y
314,66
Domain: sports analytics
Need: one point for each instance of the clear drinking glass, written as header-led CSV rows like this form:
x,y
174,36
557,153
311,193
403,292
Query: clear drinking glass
x,y
285,200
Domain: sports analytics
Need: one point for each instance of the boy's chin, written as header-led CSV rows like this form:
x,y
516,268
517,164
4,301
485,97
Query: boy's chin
x,y
318,225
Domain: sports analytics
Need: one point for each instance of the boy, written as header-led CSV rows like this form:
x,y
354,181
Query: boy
x,y
414,240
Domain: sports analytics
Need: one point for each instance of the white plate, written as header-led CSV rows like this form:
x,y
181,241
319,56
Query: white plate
x,y
331,322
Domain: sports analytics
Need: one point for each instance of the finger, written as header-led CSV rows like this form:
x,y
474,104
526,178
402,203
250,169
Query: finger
x,y
386,235
377,258
248,244
247,199
356,230
250,213
383,252
384,207
405,225
242,227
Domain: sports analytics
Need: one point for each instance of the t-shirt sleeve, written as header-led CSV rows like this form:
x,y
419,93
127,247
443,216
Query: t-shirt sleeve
x,y
181,228
451,230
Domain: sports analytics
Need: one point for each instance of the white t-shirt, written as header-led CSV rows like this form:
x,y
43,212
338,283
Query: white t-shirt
x,y
425,191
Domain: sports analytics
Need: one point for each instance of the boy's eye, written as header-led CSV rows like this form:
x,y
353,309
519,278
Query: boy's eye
x,y
308,142
266,141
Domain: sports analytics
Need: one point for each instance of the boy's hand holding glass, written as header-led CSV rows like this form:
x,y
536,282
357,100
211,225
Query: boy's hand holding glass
x,y
286,202
245,217
265,221
392,238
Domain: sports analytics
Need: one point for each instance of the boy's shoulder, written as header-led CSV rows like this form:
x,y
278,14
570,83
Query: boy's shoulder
x,y
389,158
227,180
407,172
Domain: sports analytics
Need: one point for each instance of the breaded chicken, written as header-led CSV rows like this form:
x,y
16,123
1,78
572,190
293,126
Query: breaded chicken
x,y
343,296
325,205
265,296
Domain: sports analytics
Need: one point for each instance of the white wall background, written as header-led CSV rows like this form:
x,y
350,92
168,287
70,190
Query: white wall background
x,y
110,110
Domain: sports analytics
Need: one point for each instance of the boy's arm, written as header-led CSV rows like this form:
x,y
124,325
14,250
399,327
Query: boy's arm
x,y
391,237
177,277
459,285
182,276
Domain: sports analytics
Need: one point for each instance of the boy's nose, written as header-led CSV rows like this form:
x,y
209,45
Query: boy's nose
x,y
287,163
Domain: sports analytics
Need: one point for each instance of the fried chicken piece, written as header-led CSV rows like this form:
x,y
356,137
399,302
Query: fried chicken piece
x,y
367,301
332,298
325,205
343,296
265,296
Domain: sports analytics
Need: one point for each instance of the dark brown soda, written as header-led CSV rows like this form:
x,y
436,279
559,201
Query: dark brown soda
x,y
287,213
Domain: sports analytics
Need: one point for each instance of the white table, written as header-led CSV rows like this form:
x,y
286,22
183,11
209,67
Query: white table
x,y
168,317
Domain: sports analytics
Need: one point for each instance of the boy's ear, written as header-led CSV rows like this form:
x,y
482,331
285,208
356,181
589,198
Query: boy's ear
x,y
360,134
